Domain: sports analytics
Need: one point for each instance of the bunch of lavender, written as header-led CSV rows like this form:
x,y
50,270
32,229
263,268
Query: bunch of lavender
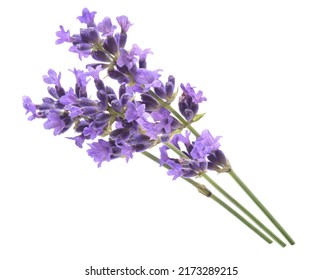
x,y
138,115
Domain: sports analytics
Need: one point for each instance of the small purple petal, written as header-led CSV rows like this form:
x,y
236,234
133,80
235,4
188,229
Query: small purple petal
x,y
176,170
134,111
124,23
80,76
204,145
79,140
80,53
63,36
54,121
147,78
106,27
52,78
94,73
162,116
197,97
163,155
68,98
127,152
75,111
126,59
87,17
181,138
29,106
100,151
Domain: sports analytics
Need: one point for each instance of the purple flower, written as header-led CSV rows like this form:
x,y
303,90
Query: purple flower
x,y
126,59
149,128
94,72
80,76
124,23
188,102
163,155
147,78
79,140
181,138
100,151
63,36
197,97
127,151
54,121
87,17
134,111
176,169
106,27
68,98
81,53
141,53
30,107
162,116
93,130
204,145
75,111
52,78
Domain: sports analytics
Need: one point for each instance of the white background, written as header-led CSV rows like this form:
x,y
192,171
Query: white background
x,y
259,63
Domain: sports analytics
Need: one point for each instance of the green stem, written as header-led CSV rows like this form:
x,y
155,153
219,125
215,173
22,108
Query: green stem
x,y
231,199
191,128
216,199
261,206
244,210
242,219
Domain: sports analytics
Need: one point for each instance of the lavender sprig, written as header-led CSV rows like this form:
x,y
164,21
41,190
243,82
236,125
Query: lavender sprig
x,y
138,115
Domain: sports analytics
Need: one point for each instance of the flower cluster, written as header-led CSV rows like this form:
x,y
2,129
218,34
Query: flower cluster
x,y
137,115
133,118
195,157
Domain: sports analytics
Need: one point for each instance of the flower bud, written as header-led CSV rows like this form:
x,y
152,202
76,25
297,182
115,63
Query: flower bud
x,y
116,105
187,107
102,118
89,35
160,91
218,161
117,75
150,102
89,110
99,84
110,45
122,90
83,102
122,40
120,135
100,56
83,47
81,125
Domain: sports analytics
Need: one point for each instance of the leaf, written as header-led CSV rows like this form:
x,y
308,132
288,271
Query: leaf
x,y
198,117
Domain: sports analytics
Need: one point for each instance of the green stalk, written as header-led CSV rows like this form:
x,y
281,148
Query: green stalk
x,y
237,179
261,206
202,189
232,200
